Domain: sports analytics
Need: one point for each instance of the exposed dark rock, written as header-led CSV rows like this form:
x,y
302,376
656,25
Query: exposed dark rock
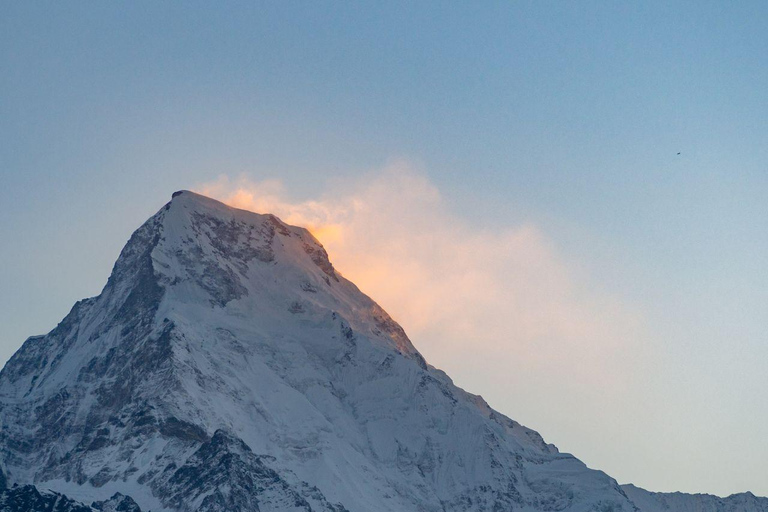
x,y
183,430
117,503
224,474
27,498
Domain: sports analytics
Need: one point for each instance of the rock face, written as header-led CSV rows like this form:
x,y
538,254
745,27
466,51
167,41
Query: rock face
x,y
117,503
27,498
227,366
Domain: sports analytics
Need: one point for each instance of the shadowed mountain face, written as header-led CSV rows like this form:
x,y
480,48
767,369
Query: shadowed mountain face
x,y
227,366
27,498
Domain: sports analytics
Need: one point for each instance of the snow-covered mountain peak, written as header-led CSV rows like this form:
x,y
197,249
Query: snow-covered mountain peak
x,y
196,230
214,255
228,366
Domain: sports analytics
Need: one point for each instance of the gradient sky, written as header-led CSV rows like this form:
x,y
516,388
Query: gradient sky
x,y
536,141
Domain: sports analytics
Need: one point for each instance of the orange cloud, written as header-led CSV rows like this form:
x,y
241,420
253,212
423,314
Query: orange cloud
x,y
502,298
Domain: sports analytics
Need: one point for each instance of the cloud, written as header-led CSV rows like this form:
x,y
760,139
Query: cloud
x,y
467,295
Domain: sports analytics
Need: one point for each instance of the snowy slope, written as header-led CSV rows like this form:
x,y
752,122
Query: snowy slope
x,y
681,502
227,365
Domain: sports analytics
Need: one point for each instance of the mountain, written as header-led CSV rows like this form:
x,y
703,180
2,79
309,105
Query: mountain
x,y
681,502
27,498
227,366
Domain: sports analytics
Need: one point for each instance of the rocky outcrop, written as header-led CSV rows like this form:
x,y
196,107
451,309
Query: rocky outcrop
x,y
27,498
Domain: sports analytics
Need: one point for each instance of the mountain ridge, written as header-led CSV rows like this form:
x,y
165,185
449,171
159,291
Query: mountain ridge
x,y
227,365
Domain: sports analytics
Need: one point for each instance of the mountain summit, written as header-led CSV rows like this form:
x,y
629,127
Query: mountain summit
x,y
227,366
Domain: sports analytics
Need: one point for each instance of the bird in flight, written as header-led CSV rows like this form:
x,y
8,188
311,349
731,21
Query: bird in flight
x,y
678,152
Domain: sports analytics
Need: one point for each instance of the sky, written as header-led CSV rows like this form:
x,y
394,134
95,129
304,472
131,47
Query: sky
x,y
562,203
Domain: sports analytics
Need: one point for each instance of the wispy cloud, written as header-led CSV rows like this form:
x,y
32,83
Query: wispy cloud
x,y
504,297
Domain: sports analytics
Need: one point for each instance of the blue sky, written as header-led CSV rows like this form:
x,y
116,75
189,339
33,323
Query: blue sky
x,y
564,116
